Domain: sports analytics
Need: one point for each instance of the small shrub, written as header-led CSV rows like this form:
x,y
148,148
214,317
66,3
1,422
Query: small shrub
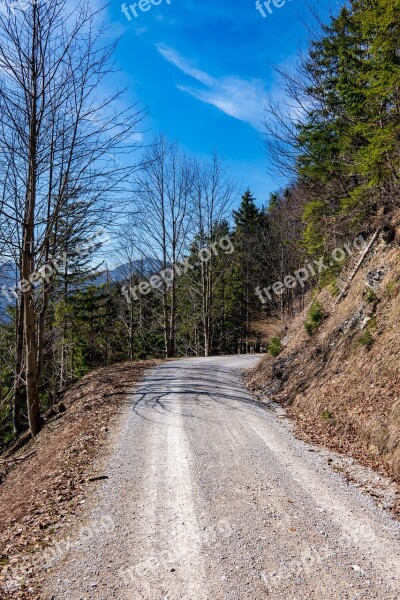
x,y
329,279
315,317
392,289
370,296
366,339
334,288
274,346
327,415
309,328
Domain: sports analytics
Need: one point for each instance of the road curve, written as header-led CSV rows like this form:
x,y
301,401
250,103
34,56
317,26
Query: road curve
x,y
210,497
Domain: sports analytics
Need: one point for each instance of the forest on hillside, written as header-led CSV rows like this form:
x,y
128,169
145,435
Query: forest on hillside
x,y
76,193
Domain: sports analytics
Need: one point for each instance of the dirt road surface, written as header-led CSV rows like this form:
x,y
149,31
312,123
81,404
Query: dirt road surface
x,y
209,497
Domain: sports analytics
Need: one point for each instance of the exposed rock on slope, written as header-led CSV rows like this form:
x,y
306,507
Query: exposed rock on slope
x,y
342,383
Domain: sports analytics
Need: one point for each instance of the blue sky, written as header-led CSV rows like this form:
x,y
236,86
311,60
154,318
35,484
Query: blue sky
x,y
204,70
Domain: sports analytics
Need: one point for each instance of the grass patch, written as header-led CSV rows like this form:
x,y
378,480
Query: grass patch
x,y
315,318
392,289
327,415
370,296
366,339
334,288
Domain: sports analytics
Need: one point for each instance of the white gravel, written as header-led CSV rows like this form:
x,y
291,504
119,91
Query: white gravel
x,y
210,496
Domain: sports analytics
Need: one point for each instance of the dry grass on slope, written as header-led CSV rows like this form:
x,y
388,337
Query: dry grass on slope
x,y
342,386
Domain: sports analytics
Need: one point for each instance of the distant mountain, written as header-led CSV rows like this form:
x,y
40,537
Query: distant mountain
x,y
7,281
145,268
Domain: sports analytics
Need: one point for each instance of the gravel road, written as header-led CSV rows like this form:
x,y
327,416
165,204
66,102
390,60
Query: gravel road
x,y
210,497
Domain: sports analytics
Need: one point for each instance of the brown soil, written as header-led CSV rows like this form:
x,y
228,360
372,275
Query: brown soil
x,y
39,494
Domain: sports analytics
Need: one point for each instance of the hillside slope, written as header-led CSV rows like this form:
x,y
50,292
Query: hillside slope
x,y
44,484
341,384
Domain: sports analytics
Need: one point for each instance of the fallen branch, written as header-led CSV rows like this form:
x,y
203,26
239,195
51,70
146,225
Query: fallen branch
x,y
21,441
18,458
357,267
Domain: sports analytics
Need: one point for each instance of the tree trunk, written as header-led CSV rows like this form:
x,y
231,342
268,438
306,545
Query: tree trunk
x,y
20,391
32,384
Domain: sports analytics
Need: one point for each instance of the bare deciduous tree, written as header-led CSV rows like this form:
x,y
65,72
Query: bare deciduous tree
x,y
57,140
164,198
214,194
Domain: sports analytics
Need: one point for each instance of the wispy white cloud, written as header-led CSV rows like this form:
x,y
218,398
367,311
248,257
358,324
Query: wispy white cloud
x,y
137,137
240,98
184,65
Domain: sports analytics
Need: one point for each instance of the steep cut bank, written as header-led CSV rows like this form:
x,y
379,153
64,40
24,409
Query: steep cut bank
x,y
341,380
